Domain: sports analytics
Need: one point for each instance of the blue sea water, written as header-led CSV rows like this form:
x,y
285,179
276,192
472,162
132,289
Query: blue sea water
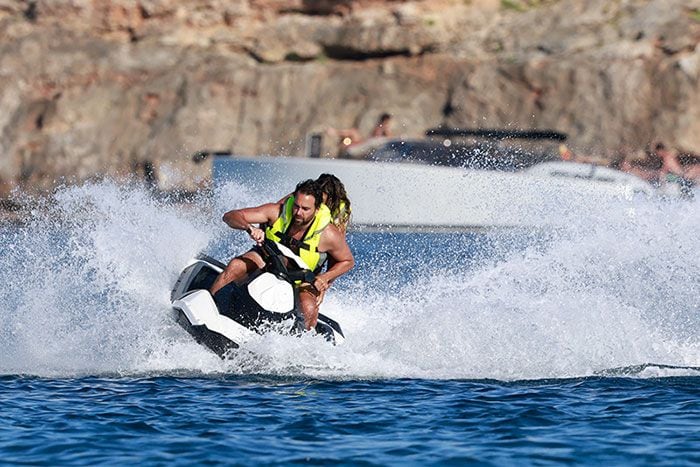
x,y
578,345
258,419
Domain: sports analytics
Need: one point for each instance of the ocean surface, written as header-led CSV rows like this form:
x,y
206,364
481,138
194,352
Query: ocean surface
x,y
574,345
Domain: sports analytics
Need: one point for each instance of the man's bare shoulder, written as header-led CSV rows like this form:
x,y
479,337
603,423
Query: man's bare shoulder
x,y
334,243
332,235
331,231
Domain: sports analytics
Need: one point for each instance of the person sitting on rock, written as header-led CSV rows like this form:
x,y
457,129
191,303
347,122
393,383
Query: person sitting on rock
x,y
350,137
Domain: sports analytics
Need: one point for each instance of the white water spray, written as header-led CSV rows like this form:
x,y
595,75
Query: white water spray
x,y
87,282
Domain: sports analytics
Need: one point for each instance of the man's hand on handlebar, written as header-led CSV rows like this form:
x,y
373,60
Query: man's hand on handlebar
x,y
258,235
321,284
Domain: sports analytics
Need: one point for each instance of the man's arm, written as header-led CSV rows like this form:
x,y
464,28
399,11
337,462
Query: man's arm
x,y
243,219
334,244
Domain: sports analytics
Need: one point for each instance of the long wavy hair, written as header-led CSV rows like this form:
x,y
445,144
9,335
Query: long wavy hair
x,y
337,199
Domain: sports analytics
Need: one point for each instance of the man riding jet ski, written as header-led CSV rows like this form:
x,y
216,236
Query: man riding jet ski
x,y
273,282
302,223
267,298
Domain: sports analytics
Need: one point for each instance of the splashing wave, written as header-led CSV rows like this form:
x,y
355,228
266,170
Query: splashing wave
x,y
87,281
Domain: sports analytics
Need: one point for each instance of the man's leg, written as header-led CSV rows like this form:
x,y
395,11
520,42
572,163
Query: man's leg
x,y
308,301
237,269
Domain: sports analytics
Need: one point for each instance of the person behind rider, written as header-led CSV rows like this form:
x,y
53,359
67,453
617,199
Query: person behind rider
x,y
302,223
336,198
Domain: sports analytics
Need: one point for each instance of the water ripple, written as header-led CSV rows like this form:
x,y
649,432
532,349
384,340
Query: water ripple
x,y
244,420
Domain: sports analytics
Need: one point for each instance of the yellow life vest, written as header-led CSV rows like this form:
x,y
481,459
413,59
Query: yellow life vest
x,y
308,245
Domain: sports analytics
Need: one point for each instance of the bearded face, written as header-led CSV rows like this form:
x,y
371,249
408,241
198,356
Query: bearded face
x,y
304,209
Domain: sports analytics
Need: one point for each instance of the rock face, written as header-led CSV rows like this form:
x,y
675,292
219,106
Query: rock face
x,y
97,87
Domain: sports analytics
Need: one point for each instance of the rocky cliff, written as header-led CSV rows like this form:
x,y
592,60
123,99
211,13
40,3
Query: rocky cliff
x,y
99,87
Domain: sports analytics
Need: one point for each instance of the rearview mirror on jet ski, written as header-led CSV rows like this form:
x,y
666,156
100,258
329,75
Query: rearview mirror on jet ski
x,y
267,299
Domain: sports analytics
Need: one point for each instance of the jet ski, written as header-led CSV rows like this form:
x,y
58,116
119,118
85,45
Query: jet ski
x,y
267,300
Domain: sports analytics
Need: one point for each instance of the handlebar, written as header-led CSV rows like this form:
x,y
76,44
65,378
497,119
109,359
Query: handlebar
x,y
276,266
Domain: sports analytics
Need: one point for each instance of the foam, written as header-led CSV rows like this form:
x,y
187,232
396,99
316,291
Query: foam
x,y
87,281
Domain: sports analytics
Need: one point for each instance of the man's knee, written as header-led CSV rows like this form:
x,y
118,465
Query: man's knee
x,y
309,308
309,303
240,266
235,269
252,261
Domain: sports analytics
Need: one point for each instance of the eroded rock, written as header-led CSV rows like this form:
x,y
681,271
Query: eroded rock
x,y
109,87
